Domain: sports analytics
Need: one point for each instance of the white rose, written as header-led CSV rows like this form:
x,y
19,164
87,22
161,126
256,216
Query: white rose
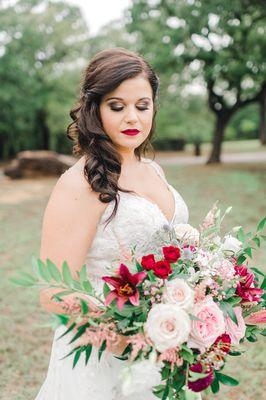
x,y
167,326
231,244
178,292
139,377
187,233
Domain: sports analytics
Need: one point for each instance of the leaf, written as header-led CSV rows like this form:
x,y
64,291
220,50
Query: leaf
x,y
101,349
67,277
215,386
69,354
178,382
263,285
248,251
259,272
83,273
88,353
234,300
252,338
21,282
76,358
261,224
54,272
80,332
84,306
58,296
166,392
242,258
234,353
151,276
67,331
194,376
139,266
241,235
43,271
106,289
257,241
226,380
87,287
228,310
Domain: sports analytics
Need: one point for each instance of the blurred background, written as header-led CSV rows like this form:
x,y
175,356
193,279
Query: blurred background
x,y
210,56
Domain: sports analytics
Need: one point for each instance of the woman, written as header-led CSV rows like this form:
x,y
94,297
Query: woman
x,y
112,198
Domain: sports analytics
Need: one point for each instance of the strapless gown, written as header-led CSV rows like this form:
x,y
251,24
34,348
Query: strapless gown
x,y
136,221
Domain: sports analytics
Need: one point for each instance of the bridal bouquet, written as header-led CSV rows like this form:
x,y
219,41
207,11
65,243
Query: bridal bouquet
x,y
183,309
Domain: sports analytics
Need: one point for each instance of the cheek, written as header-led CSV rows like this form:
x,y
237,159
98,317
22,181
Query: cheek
x,y
110,120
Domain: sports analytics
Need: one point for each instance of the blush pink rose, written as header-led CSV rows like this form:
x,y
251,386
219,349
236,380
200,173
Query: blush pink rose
x,y
209,325
236,331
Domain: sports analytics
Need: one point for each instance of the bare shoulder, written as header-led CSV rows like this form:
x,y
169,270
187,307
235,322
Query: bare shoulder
x,y
73,186
71,219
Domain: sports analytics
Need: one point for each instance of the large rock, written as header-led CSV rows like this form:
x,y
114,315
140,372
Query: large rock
x,y
29,164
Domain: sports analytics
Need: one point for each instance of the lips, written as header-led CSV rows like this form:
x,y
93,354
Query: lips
x,y
131,132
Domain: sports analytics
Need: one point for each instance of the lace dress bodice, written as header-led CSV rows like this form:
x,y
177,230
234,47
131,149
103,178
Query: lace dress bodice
x,y
136,220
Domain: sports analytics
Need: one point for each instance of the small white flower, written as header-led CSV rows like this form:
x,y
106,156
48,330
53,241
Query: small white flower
x,y
178,292
186,233
167,326
231,244
139,377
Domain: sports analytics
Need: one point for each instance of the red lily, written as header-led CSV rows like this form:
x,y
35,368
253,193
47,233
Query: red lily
x,y
246,286
125,287
256,318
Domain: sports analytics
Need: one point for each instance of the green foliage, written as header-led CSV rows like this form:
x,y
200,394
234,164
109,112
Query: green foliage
x,y
38,83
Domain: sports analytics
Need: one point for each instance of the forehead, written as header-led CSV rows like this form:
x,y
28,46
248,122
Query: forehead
x,y
132,89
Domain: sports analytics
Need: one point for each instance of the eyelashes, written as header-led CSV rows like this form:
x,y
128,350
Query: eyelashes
x,y
121,108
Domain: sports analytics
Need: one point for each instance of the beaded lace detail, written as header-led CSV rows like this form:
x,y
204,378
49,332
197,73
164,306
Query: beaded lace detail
x,y
136,220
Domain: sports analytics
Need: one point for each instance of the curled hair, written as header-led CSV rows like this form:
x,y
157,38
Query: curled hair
x,y
106,71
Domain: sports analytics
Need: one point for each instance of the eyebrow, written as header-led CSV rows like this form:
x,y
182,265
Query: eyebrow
x,y
120,98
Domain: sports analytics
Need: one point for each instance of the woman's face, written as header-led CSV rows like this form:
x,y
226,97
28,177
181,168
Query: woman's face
x,y
129,106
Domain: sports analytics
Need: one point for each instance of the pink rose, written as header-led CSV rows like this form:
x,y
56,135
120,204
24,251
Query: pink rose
x,y
236,332
209,325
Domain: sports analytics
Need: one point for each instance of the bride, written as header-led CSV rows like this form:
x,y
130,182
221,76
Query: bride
x,y
111,198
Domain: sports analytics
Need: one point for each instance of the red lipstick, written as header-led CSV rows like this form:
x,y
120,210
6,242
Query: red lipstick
x,y
131,132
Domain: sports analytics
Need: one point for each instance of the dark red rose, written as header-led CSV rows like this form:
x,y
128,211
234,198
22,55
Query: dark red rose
x,y
162,269
223,342
201,383
148,262
171,253
246,286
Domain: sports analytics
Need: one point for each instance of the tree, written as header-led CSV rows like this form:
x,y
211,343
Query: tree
x,y
221,41
42,40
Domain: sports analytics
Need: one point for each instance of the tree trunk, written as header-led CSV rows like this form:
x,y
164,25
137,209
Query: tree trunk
x,y
262,124
218,136
43,129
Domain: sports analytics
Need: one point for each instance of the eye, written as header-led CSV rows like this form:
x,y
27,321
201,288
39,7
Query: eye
x,y
141,108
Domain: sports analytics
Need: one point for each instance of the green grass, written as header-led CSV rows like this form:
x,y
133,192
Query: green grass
x,y
25,345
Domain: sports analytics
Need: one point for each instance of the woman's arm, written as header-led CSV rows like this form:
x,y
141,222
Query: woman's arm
x,y
69,226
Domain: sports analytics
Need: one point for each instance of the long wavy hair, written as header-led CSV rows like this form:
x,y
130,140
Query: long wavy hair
x,y
106,71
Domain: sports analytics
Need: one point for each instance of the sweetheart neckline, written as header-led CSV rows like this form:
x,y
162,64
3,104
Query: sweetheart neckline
x,y
150,202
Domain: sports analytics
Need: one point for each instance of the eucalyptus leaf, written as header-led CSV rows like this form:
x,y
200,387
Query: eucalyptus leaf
x,y
44,271
261,224
67,277
54,272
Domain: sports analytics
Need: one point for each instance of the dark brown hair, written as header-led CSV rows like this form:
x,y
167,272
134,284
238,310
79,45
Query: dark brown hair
x,y
106,71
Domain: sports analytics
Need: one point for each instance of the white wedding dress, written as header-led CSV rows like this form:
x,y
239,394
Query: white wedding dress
x,y
136,221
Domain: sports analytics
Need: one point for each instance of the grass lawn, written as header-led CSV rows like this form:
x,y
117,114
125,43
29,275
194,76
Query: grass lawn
x,y
25,343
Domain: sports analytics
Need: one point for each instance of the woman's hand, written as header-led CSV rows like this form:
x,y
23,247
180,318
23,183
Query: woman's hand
x,y
118,348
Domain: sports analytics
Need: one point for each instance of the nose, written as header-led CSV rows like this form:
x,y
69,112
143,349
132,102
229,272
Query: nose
x,y
131,115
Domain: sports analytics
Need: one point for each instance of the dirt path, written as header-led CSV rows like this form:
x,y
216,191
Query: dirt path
x,y
176,159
